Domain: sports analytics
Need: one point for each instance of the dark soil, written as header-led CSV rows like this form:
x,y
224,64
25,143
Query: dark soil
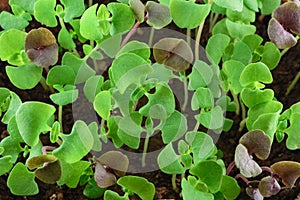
x,y
282,75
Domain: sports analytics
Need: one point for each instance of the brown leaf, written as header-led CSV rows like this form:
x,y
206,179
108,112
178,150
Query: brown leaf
x,y
289,172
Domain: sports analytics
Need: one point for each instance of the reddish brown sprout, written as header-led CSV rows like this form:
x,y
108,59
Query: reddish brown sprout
x,y
288,171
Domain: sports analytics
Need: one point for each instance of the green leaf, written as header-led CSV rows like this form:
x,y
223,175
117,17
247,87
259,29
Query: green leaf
x,y
122,18
255,72
139,48
13,130
71,173
89,24
292,142
12,42
14,105
268,6
246,15
130,130
64,97
92,87
253,41
10,21
54,133
242,53
209,172
168,161
102,104
233,5
253,5
94,130
44,12
112,125
65,39
26,5
61,75
191,193
212,119
233,70
73,8
271,55
216,46
267,122
92,191
21,181
239,30
75,145
162,96
32,122
111,45
11,148
111,195
129,69
138,185
187,14
252,97
24,77
202,98
230,188
161,73
6,165
201,144
138,8
158,15
174,127
201,75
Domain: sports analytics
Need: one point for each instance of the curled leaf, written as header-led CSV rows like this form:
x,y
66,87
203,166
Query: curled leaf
x,y
158,14
248,167
103,177
41,47
289,172
173,53
268,186
257,142
138,9
253,191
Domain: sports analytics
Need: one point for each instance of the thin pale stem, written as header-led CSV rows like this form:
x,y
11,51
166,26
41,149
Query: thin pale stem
x,y
47,148
242,177
230,167
266,169
60,112
237,102
197,42
151,36
146,143
214,18
284,51
292,85
44,85
174,186
186,94
196,126
188,36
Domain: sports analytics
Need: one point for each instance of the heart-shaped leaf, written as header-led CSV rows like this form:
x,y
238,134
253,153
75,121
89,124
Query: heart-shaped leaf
x,y
44,12
268,186
73,8
41,47
6,164
248,167
289,172
88,20
173,53
32,122
138,8
116,161
103,177
257,142
158,15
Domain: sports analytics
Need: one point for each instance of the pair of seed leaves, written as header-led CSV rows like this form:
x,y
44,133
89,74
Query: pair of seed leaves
x,y
258,143
284,23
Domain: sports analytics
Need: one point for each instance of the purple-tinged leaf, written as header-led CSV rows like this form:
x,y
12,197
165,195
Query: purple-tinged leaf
x,y
268,186
289,172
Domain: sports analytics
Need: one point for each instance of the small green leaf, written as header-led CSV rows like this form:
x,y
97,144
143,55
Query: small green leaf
x,y
253,41
92,191
162,96
14,105
138,185
174,127
292,132
216,46
6,164
111,45
55,130
138,8
10,21
253,5
65,39
32,122
61,75
89,24
139,48
64,97
246,15
233,70
187,14
239,30
161,73
158,15
212,119
22,186
191,193
73,8
11,148
44,12
26,5
268,6
271,55
168,161
102,104
233,5
202,98
24,77
111,195
122,18
12,42
92,87
252,97
201,75
75,145
255,72
230,188
71,173
242,53
210,172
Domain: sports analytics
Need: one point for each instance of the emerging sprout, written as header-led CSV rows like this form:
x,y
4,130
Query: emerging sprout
x,y
284,19
41,47
173,53
268,186
288,171
108,166
253,191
